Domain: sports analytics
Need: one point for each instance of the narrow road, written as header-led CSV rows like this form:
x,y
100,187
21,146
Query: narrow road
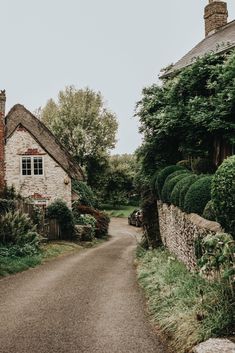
x,y
85,303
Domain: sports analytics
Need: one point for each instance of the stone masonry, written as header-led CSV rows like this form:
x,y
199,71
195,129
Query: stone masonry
x,y
179,231
216,16
55,183
2,139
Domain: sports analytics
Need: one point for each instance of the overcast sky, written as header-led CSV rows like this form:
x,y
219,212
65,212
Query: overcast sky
x,y
113,46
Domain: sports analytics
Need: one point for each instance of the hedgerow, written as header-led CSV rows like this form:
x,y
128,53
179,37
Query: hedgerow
x,y
170,183
184,187
198,195
163,174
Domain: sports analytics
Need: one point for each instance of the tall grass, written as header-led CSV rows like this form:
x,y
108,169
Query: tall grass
x,y
188,308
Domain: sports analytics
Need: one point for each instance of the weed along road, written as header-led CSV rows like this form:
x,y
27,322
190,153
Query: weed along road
x,y
84,302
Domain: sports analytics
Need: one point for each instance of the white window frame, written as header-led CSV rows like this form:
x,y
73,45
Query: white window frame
x,y
32,166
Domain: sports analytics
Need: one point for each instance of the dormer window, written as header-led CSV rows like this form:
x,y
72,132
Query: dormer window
x,y
31,165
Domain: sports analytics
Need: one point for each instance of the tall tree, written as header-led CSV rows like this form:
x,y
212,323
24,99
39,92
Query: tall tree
x,y
82,123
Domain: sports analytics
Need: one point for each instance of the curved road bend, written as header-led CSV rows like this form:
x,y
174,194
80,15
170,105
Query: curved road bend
x,y
85,303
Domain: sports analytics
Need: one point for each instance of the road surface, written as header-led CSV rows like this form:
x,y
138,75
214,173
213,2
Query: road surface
x,y
86,302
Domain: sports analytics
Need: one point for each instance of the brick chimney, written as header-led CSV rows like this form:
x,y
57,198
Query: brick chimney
x,y
2,139
216,16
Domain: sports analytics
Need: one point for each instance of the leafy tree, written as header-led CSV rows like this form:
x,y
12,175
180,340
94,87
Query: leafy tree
x,y
82,123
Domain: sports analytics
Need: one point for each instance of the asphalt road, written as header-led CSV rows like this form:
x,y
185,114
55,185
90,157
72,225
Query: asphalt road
x,y
85,302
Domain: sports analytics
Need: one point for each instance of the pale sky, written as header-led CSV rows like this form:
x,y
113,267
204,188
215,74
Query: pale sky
x,y
113,46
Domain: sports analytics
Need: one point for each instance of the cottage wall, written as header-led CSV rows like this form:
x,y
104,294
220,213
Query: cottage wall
x,y
54,184
180,231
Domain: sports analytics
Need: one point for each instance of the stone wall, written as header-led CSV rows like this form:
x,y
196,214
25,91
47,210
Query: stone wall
x,y
53,184
179,231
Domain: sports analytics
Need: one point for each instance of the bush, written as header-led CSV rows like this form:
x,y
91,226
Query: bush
x,y
6,206
170,183
203,166
59,210
85,194
163,174
209,211
223,194
198,195
18,233
183,188
102,219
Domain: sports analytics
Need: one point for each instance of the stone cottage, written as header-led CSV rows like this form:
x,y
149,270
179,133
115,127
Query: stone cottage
x,y
32,159
219,38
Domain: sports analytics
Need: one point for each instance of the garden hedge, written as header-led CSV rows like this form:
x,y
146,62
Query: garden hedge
x,y
198,195
223,194
175,194
170,183
102,219
163,174
183,188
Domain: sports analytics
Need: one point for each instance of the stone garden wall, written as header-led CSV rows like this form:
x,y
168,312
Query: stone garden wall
x,y
179,232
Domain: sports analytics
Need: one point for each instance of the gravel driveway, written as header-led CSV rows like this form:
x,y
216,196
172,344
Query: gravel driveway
x,y
85,302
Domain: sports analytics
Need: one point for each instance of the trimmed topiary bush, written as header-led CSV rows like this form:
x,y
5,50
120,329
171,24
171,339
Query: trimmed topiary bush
x,y
184,187
209,211
223,194
59,210
198,195
170,183
163,174
175,194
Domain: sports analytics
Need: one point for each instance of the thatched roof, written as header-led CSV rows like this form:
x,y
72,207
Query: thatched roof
x,y
19,115
221,41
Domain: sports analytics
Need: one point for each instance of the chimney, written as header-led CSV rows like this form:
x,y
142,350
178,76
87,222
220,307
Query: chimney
x,y
216,16
2,140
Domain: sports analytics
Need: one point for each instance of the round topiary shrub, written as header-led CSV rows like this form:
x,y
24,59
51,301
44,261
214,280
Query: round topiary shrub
x,y
198,195
209,211
163,174
183,189
223,194
203,166
175,194
170,183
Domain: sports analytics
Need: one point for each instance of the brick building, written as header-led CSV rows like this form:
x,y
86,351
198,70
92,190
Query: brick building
x,y
31,158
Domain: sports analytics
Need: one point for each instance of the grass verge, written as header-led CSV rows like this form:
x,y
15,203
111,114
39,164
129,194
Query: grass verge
x,y
187,308
121,211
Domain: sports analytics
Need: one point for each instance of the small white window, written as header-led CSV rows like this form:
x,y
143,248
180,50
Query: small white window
x,y
32,165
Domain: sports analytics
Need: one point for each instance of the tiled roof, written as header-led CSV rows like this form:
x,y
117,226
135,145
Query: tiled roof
x,y
220,41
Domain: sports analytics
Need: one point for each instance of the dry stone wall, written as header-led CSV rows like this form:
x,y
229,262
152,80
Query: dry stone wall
x,y
179,232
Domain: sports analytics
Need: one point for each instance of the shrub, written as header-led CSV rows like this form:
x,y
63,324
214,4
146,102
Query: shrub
x,y
223,194
175,194
86,233
85,194
198,195
163,174
6,205
102,219
209,211
59,210
183,188
170,183
203,166
17,229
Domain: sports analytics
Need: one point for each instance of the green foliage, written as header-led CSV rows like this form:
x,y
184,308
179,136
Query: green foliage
x,y
82,123
86,219
209,211
102,219
85,194
6,205
187,307
198,195
164,173
170,183
203,166
59,210
223,194
175,194
183,188
17,233
185,163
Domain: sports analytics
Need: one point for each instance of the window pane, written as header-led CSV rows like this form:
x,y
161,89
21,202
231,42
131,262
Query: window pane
x,y
38,166
26,166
